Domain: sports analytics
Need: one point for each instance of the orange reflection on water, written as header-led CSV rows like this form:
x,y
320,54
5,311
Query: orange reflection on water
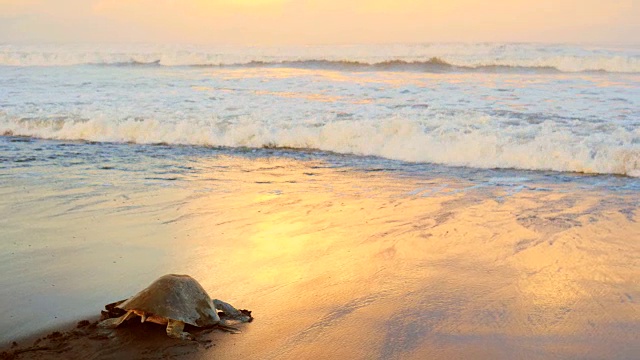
x,y
299,95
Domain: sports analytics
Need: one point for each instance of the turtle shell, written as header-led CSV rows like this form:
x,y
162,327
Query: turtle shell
x,y
177,297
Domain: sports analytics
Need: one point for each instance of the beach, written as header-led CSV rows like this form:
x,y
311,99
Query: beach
x,y
367,213
334,261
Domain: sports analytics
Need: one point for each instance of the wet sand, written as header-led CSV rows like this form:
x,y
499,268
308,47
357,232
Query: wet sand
x,y
334,263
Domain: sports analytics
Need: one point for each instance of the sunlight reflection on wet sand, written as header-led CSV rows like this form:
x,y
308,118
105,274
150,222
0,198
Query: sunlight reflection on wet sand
x,y
334,271
345,263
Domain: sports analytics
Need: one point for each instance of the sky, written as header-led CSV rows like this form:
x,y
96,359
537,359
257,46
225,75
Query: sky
x,y
294,22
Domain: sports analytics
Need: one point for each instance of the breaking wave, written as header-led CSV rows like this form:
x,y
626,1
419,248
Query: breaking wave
x,y
420,58
433,65
550,148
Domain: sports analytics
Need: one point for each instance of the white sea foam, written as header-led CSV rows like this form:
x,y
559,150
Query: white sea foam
x,y
481,57
475,144
587,122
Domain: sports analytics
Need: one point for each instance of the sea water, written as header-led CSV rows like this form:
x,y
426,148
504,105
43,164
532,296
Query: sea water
x,y
521,106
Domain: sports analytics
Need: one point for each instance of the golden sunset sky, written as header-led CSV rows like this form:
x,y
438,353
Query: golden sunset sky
x,y
284,22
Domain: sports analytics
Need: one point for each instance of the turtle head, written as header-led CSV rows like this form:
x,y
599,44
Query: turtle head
x,y
228,312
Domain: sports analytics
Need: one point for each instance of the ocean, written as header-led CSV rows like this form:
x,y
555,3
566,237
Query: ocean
x,y
521,106
472,199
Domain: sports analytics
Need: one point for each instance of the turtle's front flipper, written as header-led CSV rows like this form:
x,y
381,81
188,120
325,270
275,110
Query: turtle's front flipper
x,y
232,312
174,330
115,322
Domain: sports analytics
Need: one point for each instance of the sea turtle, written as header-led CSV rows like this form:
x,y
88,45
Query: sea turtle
x,y
176,300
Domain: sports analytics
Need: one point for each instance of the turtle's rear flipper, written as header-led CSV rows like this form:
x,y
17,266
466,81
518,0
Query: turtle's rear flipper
x,y
115,322
113,306
112,311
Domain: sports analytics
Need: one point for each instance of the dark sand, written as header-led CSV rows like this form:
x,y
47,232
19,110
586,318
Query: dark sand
x,y
131,340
